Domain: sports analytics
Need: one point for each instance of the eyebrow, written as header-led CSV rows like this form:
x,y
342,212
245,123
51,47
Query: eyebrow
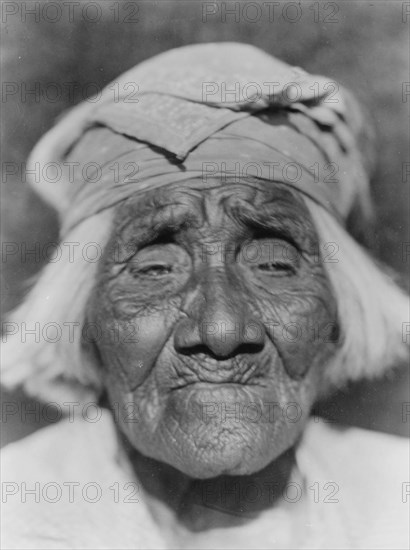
x,y
164,222
278,219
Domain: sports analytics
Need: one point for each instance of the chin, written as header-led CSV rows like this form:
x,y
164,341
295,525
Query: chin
x,y
207,451
224,453
203,442
229,463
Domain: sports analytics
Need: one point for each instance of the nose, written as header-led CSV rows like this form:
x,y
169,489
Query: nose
x,y
219,322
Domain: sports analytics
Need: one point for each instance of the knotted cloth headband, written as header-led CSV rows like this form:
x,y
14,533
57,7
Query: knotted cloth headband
x,y
210,111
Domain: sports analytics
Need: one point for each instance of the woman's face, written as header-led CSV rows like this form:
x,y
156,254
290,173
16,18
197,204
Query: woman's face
x,y
218,321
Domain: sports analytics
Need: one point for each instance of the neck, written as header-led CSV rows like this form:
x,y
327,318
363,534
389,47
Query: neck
x,y
222,501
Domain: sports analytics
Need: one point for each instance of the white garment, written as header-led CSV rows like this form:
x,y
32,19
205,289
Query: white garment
x,y
356,494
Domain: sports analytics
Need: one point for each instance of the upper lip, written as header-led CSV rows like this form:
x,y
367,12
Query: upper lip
x,y
240,370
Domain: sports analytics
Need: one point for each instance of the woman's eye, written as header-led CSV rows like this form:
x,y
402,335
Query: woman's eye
x,y
271,257
167,264
155,271
277,268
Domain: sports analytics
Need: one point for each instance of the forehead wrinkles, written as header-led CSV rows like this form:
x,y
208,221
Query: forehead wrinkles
x,y
164,206
267,202
172,206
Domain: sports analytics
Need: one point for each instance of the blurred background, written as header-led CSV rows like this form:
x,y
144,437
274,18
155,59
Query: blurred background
x,y
56,54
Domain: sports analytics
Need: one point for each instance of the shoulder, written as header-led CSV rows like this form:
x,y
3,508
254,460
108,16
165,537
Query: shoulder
x,y
340,441
61,448
63,485
368,473
358,454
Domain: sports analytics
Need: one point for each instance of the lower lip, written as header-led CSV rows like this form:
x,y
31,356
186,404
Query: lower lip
x,y
213,385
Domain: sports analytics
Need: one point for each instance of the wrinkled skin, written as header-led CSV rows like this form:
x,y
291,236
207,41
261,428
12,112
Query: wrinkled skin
x,y
196,287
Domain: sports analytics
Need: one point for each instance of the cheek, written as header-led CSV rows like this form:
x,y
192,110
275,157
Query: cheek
x,y
304,328
129,344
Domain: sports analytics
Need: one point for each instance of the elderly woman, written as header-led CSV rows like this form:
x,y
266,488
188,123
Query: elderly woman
x,y
224,189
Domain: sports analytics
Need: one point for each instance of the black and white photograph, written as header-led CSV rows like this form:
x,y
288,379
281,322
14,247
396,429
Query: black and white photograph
x,y
205,275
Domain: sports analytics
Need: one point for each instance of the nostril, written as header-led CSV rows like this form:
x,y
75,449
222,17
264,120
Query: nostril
x,y
217,341
250,347
203,349
199,349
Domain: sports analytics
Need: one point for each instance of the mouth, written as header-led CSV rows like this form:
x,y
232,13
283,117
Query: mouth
x,y
204,372
200,384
